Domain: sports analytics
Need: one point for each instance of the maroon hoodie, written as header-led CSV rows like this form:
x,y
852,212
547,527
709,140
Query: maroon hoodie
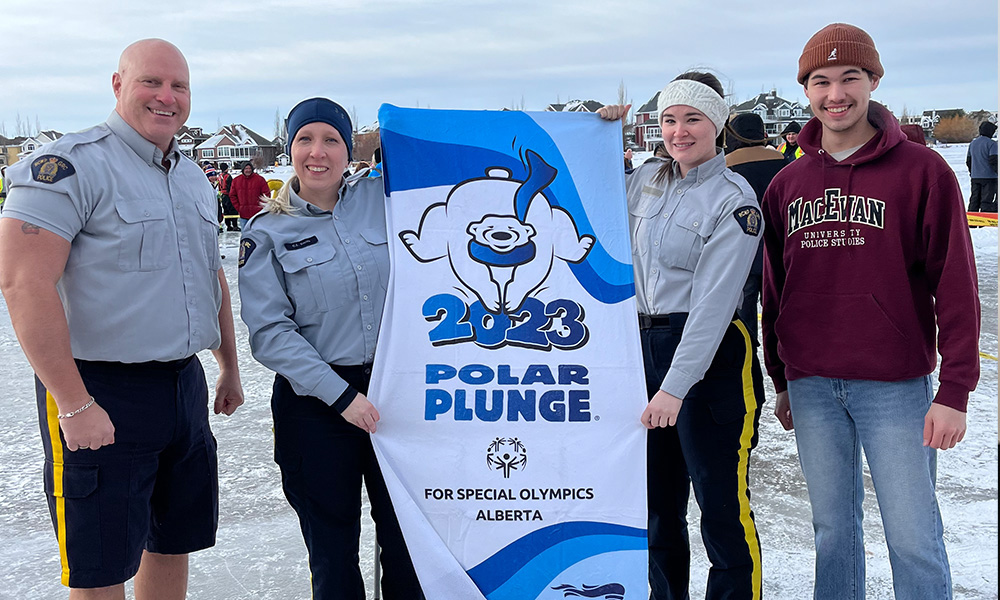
x,y
860,257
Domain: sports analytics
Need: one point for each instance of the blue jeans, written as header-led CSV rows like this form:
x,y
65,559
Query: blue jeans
x,y
834,419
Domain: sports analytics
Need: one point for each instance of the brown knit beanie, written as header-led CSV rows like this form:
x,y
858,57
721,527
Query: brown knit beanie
x,y
839,44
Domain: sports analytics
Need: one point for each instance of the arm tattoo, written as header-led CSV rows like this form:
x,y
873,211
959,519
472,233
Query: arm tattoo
x,y
30,228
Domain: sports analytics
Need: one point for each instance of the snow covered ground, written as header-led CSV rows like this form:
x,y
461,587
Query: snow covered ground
x,y
260,554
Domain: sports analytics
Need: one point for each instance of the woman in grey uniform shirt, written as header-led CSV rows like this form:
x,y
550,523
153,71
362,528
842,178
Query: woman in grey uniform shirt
x,y
314,265
695,229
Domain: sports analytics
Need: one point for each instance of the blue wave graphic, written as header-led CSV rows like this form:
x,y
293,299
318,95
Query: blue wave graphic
x,y
433,141
523,568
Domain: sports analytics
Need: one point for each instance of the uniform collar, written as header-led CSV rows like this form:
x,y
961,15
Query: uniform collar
x,y
699,174
144,149
297,202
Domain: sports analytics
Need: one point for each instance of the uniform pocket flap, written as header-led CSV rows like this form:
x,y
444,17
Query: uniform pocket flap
x,y
293,261
137,211
374,235
209,213
77,481
694,221
648,204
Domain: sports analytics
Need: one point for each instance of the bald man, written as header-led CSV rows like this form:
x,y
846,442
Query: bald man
x,y
110,266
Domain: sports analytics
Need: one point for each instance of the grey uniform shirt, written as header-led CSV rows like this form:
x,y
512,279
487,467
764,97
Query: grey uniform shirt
x,y
313,284
141,282
693,241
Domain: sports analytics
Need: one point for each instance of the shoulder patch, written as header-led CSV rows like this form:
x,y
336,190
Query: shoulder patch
x,y
309,241
749,219
50,168
247,247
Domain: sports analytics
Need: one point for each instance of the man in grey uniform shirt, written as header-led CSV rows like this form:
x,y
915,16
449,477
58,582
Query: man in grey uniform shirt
x,y
110,266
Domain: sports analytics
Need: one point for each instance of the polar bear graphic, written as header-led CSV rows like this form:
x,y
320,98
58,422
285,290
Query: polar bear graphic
x,y
501,236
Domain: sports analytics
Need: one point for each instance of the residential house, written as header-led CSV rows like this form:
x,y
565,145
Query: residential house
x,y
188,139
236,144
930,118
32,143
10,149
776,112
647,124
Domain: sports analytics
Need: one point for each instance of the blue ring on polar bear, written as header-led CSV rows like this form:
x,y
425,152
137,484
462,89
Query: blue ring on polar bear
x,y
488,256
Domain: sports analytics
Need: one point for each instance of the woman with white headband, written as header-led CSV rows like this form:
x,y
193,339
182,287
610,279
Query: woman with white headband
x,y
695,229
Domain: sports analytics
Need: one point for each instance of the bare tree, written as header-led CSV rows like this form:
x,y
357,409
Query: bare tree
x,y
957,129
257,161
354,117
277,123
3,129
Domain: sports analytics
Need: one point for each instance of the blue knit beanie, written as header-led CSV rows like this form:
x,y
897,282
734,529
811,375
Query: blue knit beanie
x,y
319,110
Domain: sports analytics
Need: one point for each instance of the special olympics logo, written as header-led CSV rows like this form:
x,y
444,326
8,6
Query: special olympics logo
x,y
506,454
608,591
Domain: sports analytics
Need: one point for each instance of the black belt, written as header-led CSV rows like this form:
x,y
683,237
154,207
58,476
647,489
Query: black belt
x,y
675,320
154,365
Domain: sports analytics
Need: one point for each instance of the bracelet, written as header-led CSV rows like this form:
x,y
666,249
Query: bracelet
x,y
77,411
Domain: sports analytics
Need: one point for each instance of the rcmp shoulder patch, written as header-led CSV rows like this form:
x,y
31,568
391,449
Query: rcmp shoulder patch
x,y
749,219
247,247
50,168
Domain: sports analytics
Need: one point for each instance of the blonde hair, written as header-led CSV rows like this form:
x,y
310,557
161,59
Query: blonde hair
x,y
281,204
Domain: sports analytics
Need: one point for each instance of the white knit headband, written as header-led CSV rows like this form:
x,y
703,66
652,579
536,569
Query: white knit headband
x,y
696,95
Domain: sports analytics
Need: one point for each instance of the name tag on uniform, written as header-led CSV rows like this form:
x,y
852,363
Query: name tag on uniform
x,y
309,241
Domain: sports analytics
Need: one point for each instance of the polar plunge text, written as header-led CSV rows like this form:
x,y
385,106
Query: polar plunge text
x,y
502,393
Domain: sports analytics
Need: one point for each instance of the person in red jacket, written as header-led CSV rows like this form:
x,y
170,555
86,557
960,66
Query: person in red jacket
x,y
246,193
868,266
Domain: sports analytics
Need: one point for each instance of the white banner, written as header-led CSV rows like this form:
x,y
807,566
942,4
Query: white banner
x,y
509,371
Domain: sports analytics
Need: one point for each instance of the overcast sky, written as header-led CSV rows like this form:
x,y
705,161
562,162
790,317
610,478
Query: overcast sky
x,y
251,58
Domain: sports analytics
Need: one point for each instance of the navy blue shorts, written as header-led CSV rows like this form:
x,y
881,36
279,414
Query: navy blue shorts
x,y
156,488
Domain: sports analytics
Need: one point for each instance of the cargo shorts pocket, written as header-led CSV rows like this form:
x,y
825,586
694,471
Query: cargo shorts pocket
x,y
74,506
142,235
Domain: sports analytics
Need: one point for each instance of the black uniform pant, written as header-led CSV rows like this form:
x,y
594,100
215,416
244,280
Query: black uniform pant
x,y
984,195
323,460
709,450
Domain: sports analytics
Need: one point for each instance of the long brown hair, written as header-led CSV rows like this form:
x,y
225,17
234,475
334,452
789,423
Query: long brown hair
x,y
666,170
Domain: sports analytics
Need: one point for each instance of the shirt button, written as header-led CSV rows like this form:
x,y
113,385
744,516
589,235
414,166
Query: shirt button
x,y
309,259
656,243
665,215
359,267
347,241
146,213
654,271
365,297
178,205
695,223
368,327
336,218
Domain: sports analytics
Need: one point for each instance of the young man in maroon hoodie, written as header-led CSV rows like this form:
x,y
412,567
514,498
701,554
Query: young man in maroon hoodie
x,y
866,247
